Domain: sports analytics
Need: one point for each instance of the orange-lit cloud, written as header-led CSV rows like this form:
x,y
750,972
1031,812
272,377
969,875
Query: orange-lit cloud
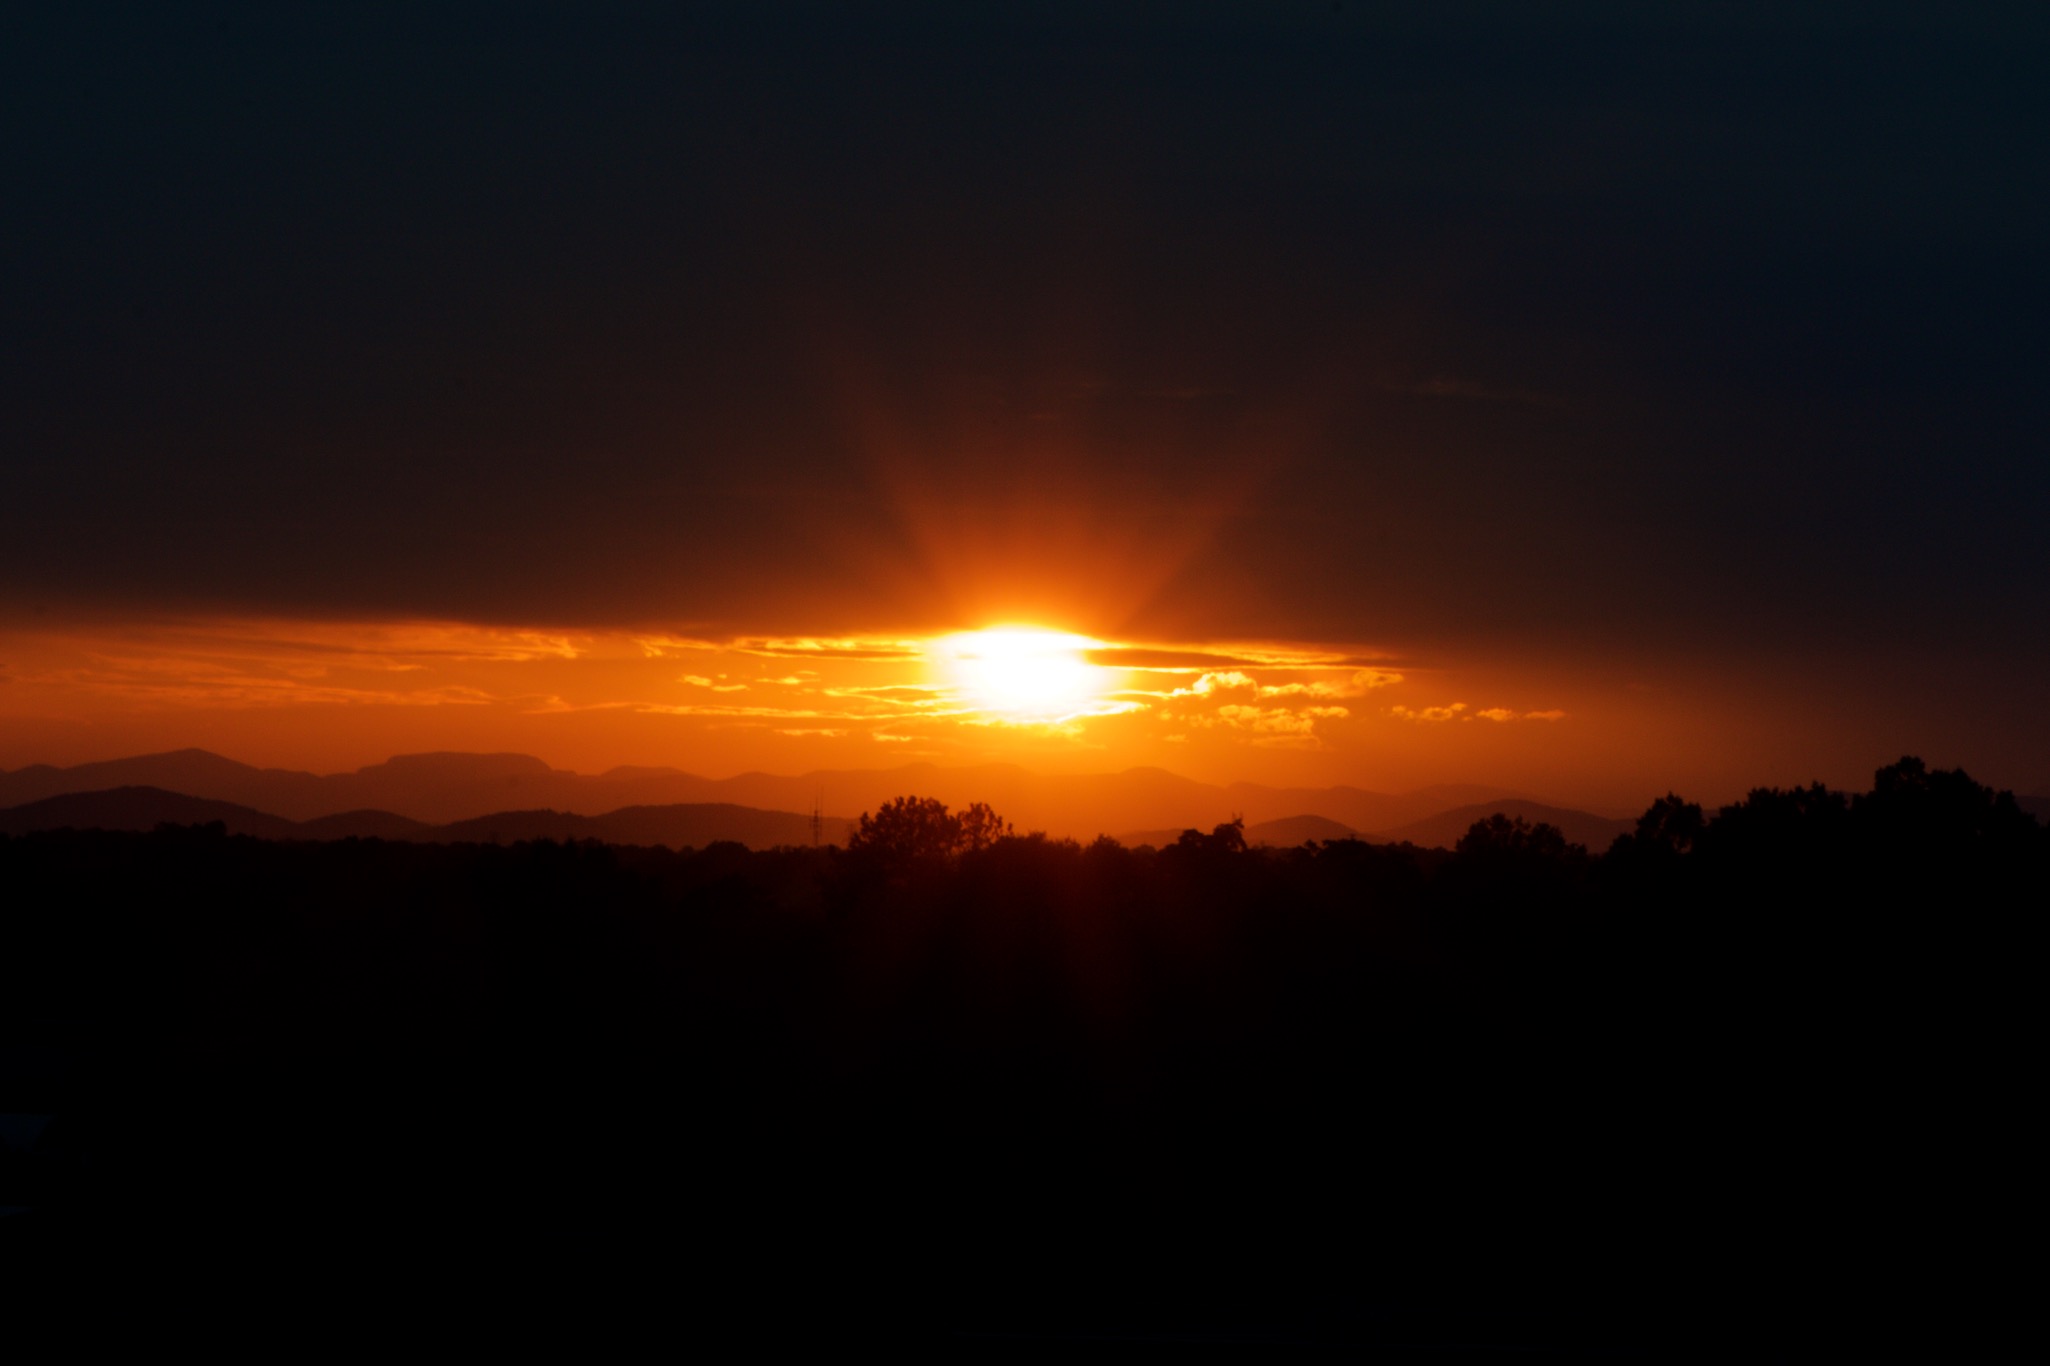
x,y
303,664
1449,712
1458,711
828,649
1361,682
1178,659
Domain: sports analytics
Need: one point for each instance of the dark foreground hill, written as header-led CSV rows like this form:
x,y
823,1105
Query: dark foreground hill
x,y
1735,1089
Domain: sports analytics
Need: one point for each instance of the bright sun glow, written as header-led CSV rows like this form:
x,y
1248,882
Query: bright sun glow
x,y
1024,673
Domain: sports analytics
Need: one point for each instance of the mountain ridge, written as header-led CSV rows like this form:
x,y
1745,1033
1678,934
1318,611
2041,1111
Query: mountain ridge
x,y
683,825
1443,830
441,787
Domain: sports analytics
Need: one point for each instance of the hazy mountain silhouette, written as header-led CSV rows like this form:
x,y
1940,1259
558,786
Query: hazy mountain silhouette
x,y
1443,830
426,787
196,772
678,826
141,808
446,787
696,824
1359,808
1286,833
365,825
1291,831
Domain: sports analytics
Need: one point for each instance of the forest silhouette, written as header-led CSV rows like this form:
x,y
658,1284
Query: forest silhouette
x,y
955,1079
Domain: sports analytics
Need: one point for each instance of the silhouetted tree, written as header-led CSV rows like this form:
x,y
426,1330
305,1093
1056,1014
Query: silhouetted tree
x,y
1501,838
907,829
1671,824
1228,838
1800,826
1666,833
979,827
922,829
1941,812
1505,884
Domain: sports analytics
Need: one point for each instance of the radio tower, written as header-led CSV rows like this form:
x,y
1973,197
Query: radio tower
x,y
817,819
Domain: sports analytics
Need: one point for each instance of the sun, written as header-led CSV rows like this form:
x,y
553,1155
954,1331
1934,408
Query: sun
x,y
1025,673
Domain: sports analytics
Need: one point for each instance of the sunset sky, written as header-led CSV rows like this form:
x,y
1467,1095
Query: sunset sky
x,y
1591,399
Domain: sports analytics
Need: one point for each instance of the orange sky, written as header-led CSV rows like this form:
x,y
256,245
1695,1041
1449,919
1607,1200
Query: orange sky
x,y
329,696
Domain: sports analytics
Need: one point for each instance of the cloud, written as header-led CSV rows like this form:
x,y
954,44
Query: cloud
x,y
780,647
780,713
401,645
1271,727
552,704
1446,713
1458,711
700,681
806,647
240,663
212,683
1362,681
803,713
1358,682
1269,720
669,647
1232,681
389,646
1191,659
907,694
1064,724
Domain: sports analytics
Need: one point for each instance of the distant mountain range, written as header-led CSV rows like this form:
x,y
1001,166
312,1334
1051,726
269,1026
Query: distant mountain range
x,y
516,796
1286,833
439,788
679,826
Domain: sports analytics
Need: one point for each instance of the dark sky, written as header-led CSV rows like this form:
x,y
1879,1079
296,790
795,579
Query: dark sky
x,y
1713,334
